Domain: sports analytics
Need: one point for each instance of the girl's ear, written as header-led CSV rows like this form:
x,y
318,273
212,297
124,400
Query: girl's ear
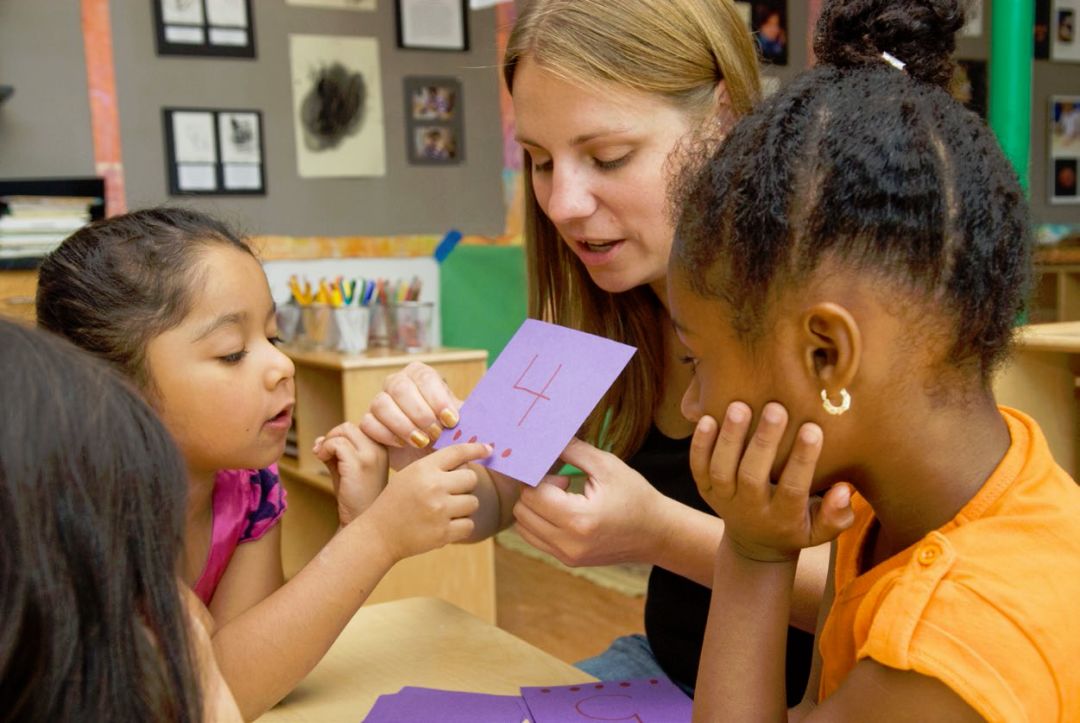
x,y
832,346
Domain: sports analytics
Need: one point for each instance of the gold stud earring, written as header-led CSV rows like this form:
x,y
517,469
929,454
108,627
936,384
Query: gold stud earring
x,y
836,409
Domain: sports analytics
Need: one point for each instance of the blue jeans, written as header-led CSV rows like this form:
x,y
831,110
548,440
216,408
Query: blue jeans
x,y
628,658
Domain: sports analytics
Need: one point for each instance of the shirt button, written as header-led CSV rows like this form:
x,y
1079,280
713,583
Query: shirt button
x,y
928,554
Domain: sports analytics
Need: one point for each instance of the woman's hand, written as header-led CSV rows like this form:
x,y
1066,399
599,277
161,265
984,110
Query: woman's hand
x,y
358,468
410,413
610,523
765,521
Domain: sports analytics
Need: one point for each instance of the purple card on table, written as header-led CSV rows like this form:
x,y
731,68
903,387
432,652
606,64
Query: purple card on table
x,y
428,705
650,700
536,395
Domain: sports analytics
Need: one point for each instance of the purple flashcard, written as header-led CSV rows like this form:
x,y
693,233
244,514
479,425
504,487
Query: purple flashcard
x,y
650,700
428,705
536,395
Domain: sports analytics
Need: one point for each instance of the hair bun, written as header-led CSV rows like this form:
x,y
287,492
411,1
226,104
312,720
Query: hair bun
x,y
921,33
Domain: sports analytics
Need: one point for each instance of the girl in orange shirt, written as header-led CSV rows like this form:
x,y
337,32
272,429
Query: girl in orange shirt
x,y
845,277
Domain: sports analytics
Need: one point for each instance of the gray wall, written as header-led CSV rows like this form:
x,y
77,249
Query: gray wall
x,y
45,126
41,45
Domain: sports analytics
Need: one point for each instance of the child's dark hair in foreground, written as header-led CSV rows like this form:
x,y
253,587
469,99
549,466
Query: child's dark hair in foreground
x,y
92,498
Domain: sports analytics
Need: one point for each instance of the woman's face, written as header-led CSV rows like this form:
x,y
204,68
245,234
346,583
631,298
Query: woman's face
x,y
600,172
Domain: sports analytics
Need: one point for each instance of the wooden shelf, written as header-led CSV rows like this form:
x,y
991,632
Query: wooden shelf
x,y
332,388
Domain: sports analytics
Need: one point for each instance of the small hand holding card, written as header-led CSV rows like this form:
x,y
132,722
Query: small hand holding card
x,y
536,396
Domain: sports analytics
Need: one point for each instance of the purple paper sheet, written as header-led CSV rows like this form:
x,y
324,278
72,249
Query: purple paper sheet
x,y
428,705
536,395
650,700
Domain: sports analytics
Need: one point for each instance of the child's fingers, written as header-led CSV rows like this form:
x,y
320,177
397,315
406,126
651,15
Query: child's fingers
x,y
460,529
757,461
701,451
462,506
455,455
460,481
834,514
793,488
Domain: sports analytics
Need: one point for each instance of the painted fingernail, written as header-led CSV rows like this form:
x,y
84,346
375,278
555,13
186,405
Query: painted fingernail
x,y
448,417
434,431
419,439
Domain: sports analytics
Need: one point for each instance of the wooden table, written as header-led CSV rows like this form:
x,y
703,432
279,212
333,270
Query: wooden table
x,y
1041,381
422,642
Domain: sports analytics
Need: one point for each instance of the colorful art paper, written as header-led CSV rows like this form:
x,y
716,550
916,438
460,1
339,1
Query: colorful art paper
x,y
415,705
650,700
536,396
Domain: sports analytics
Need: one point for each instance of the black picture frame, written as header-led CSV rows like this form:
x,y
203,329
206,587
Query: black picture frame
x,y
206,28
409,14
434,120
214,151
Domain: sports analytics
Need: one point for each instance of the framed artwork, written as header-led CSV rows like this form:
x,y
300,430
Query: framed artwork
x,y
335,4
434,120
1064,41
973,27
220,28
337,106
432,24
1063,149
214,152
768,21
1042,29
969,85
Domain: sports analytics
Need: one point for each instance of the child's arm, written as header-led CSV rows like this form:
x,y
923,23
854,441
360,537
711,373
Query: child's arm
x,y
741,677
266,650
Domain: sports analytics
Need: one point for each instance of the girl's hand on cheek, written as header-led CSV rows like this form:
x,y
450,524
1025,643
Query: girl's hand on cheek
x,y
358,468
765,521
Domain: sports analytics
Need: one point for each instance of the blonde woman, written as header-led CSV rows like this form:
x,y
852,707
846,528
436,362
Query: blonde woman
x,y
610,99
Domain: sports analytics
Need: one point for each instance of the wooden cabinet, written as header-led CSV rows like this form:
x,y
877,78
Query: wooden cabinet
x,y
332,388
17,289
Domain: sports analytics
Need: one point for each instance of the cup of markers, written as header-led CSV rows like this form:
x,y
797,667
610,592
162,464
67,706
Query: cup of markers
x,y
352,316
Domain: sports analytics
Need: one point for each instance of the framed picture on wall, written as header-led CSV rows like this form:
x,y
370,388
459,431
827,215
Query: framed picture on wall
x,y
1063,148
217,152
1064,40
219,28
434,120
432,24
969,85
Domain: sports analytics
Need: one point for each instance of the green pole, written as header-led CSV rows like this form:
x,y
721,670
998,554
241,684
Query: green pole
x,y
1012,34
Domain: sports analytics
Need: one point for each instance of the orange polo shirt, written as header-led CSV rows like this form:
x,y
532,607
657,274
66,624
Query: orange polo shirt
x,y
989,604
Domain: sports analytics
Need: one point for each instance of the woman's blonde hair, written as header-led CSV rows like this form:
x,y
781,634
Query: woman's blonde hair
x,y
678,50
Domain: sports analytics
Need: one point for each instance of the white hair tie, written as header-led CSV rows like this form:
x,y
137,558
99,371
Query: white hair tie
x,y
893,61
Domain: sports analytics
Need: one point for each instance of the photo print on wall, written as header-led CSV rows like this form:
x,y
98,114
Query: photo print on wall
x,y
1064,41
218,28
335,4
432,24
768,20
216,152
434,120
1063,145
337,106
